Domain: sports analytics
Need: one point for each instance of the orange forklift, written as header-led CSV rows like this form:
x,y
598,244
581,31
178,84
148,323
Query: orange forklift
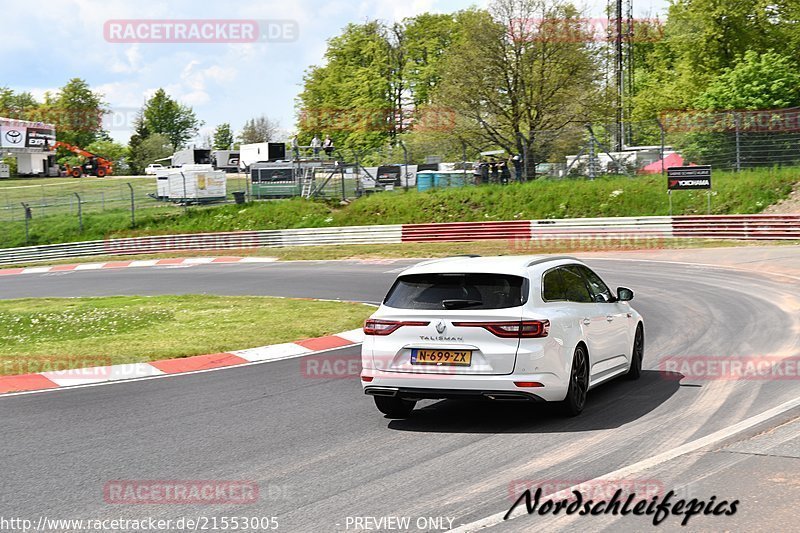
x,y
94,165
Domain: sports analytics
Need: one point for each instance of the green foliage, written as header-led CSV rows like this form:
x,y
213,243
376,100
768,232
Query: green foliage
x,y
78,113
162,114
426,39
19,106
508,80
350,98
759,81
705,39
223,137
155,146
12,164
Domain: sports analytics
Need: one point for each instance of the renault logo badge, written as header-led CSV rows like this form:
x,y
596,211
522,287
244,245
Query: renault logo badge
x,y
440,327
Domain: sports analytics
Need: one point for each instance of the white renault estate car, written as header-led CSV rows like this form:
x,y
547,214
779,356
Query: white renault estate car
x,y
524,328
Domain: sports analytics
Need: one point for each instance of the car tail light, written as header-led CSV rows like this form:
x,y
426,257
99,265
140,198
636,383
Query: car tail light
x,y
528,384
520,329
385,327
367,379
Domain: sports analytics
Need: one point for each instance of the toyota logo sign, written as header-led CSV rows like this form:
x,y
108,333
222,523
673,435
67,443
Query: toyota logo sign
x,y
14,136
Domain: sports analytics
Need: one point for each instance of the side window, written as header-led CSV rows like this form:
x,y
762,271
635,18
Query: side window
x,y
553,286
596,285
575,286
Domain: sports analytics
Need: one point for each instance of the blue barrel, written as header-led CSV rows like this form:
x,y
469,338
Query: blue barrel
x,y
441,180
457,179
424,181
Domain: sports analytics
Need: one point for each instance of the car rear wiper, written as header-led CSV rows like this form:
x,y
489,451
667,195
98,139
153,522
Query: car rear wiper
x,y
460,304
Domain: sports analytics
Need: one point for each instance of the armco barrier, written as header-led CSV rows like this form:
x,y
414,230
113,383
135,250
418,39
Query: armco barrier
x,y
743,227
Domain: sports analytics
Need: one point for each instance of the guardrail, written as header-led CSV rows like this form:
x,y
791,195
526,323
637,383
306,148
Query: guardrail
x,y
740,227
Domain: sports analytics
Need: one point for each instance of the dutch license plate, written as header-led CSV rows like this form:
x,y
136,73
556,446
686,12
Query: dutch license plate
x,y
441,357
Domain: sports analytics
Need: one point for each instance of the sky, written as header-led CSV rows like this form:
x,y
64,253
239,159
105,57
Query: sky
x,y
47,43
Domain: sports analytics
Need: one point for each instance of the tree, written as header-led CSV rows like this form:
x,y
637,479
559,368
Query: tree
x,y
757,82
703,38
76,111
223,137
20,106
135,156
513,74
350,98
256,130
375,80
427,37
151,148
162,114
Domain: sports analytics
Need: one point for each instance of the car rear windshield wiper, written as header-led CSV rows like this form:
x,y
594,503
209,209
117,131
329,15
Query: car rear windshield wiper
x,y
460,304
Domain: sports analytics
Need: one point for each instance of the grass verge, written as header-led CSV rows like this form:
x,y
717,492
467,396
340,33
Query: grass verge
x,y
40,334
746,192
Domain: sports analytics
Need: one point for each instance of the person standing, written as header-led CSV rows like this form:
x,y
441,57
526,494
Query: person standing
x,y
328,146
505,175
315,145
295,147
484,171
517,161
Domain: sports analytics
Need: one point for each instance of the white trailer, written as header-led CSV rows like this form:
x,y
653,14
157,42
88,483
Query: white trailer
x,y
227,160
191,156
253,153
193,184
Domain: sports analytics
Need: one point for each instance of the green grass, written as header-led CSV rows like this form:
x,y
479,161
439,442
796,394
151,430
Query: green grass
x,y
745,192
54,333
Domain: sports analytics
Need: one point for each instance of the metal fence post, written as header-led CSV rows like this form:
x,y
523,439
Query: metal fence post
x,y
663,143
738,144
405,162
27,217
80,213
133,206
463,161
185,200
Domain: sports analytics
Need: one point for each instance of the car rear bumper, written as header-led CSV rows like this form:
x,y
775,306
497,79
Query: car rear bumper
x,y
410,393
449,386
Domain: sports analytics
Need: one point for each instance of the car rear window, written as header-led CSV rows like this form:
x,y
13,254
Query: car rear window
x,y
457,291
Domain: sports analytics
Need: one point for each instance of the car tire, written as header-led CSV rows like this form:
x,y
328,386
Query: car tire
x,y
575,400
637,354
394,407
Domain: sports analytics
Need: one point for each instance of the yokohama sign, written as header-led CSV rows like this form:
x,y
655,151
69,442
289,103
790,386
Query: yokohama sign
x,y
681,178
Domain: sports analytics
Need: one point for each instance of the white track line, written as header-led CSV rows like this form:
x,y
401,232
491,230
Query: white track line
x,y
651,462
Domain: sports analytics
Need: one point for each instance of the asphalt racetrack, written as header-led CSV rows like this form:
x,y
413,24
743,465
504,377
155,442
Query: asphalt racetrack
x,y
323,456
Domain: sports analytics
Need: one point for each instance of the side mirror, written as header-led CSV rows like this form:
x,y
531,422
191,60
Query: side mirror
x,y
624,294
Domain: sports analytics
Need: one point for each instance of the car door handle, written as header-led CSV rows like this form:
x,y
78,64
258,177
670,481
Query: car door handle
x,y
609,318
587,321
